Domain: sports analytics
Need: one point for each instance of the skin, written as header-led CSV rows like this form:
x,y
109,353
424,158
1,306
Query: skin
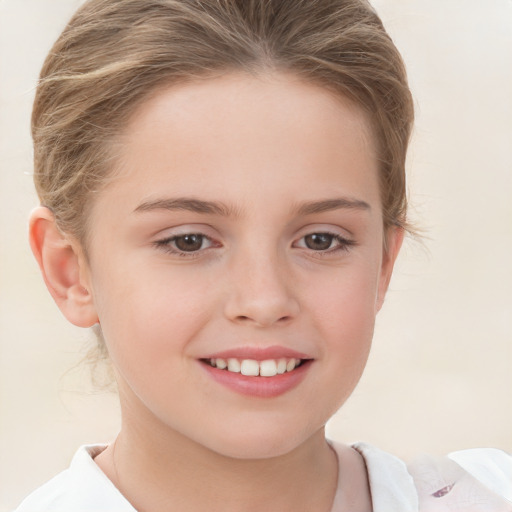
x,y
271,153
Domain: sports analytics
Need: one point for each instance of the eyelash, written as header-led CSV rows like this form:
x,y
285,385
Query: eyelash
x,y
344,244
166,244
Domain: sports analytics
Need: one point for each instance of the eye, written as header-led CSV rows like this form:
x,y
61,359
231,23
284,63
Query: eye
x,y
324,242
319,241
189,243
186,243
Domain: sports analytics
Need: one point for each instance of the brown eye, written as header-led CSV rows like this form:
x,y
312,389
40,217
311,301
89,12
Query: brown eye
x,y
189,243
318,241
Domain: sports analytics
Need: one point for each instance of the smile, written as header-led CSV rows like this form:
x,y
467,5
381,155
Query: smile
x,y
253,368
261,373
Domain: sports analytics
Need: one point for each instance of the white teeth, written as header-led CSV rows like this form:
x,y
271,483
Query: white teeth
x,y
290,365
221,364
268,368
234,365
253,368
250,367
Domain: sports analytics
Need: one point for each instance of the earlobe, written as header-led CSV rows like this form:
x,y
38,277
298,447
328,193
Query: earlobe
x,y
394,239
63,267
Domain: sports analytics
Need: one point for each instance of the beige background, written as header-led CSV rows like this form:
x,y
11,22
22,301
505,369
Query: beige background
x,y
440,376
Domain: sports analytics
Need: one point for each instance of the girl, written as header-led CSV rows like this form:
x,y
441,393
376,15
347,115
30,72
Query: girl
x,y
223,196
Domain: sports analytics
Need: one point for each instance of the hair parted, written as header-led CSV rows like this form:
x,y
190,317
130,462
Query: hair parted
x,y
114,53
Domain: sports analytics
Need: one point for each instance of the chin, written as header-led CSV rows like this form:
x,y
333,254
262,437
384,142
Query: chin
x,y
255,451
250,444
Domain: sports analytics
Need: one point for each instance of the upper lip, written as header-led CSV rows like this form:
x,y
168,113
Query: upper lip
x,y
258,353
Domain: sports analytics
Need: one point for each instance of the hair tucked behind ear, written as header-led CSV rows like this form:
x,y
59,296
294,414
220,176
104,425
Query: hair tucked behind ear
x,y
114,53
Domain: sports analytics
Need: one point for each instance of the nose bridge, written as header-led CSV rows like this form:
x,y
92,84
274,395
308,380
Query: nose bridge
x,y
261,290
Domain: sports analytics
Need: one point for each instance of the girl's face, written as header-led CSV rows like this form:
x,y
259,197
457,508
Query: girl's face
x,y
244,226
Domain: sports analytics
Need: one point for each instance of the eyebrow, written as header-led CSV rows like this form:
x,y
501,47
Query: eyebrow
x,y
312,207
219,208
187,204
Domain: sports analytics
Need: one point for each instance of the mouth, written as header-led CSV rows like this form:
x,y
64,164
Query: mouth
x,y
266,373
255,368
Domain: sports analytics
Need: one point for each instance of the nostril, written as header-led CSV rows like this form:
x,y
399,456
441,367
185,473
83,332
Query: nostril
x,y
263,321
261,309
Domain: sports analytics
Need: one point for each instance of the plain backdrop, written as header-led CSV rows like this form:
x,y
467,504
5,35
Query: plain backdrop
x,y
440,374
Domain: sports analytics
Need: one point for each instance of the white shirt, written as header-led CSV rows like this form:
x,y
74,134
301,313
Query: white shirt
x,y
466,481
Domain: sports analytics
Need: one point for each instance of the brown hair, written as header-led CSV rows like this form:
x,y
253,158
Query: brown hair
x,y
113,53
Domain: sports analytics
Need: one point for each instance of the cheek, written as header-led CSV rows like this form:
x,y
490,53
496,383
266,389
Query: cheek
x,y
345,300
149,316
343,312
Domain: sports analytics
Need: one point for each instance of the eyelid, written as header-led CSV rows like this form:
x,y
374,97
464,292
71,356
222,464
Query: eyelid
x,y
173,238
165,241
192,228
344,242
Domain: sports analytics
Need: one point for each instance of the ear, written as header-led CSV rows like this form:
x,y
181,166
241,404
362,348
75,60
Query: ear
x,y
64,268
394,238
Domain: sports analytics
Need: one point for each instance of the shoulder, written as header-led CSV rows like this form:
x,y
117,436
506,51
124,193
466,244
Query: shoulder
x,y
468,480
83,487
490,466
391,485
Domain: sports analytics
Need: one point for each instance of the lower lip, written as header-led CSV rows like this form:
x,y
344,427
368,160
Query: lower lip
x,y
263,387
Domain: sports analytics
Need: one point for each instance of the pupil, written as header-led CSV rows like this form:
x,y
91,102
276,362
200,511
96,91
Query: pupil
x,y
319,241
189,242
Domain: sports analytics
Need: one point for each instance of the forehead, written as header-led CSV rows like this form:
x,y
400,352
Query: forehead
x,y
245,102
243,131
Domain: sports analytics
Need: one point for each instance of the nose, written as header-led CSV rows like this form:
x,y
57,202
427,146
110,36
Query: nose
x,y
261,293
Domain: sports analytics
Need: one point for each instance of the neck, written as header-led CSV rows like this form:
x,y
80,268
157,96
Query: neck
x,y
157,468
175,473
